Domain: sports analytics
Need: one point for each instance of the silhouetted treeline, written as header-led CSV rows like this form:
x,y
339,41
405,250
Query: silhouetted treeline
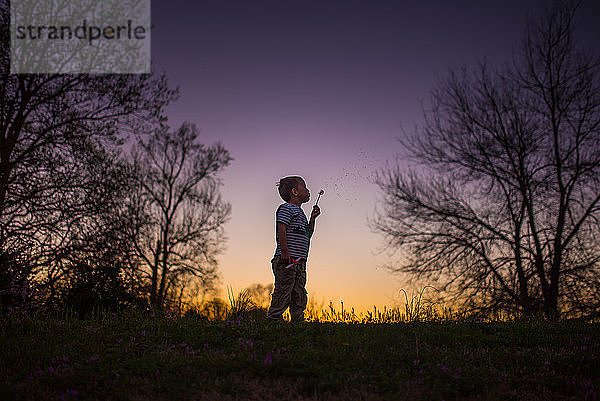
x,y
100,204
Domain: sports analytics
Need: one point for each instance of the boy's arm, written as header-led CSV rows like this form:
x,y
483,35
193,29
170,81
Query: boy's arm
x,y
283,245
313,216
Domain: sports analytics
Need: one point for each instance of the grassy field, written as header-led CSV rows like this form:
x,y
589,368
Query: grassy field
x,y
146,357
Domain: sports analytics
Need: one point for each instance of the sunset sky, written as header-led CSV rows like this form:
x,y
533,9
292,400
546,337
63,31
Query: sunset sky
x,y
322,89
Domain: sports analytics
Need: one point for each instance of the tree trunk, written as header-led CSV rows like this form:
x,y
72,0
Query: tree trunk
x,y
154,299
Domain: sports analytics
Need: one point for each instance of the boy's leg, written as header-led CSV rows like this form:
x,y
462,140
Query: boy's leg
x,y
282,291
299,298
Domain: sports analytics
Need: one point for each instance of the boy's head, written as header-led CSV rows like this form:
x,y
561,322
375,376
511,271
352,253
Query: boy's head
x,y
293,186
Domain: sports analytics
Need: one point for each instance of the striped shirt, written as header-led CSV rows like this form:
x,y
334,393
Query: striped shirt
x,y
297,230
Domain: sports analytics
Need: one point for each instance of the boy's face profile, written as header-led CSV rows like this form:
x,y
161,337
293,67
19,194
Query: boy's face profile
x,y
301,192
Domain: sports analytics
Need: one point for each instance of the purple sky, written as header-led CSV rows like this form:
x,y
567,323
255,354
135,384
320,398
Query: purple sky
x,y
321,89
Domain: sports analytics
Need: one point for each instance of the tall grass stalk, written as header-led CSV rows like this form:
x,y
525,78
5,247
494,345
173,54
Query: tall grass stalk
x,y
417,308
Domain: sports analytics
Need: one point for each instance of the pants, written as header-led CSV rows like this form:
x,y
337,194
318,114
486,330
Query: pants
x,y
289,290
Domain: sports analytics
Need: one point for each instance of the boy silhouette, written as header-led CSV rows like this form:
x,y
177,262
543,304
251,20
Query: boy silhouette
x,y
292,234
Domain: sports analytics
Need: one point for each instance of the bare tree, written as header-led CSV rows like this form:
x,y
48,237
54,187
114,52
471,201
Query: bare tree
x,y
98,266
182,209
49,126
501,206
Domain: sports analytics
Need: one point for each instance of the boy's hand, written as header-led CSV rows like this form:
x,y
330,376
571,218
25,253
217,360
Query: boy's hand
x,y
315,212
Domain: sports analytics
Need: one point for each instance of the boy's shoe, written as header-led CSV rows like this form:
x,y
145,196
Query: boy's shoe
x,y
277,319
